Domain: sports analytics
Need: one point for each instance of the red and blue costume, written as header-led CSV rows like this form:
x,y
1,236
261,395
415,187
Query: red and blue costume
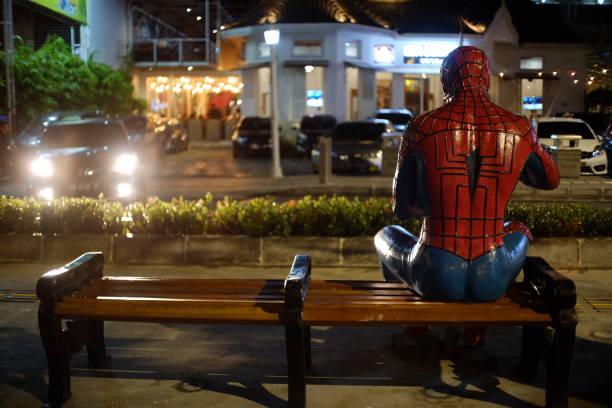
x,y
457,168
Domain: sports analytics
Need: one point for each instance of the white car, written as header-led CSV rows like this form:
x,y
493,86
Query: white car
x,y
593,158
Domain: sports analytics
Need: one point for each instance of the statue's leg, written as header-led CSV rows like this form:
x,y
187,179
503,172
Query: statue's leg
x,y
393,245
490,274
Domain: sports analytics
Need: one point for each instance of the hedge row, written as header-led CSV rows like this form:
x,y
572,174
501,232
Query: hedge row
x,y
323,216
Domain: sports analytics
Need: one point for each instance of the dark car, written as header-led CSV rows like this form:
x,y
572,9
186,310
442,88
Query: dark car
x,y
87,157
399,117
27,140
252,137
312,127
357,145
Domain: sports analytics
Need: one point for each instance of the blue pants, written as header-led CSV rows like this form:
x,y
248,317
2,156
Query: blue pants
x,y
436,273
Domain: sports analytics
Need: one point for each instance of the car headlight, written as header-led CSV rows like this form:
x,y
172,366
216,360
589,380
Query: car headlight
x,y
598,151
126,164
42,167
241,139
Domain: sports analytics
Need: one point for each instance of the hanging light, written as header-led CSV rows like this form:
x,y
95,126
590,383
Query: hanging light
x,y
540,74
590,82
554,73
501,74
605,71
232,80
575,81
308,68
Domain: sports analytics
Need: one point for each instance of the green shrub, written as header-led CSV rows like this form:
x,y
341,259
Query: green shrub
x,y
262,216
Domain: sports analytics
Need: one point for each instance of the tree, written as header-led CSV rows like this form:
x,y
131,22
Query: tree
x,y
52,78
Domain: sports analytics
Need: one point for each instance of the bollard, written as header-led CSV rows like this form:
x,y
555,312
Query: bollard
x,y
325,161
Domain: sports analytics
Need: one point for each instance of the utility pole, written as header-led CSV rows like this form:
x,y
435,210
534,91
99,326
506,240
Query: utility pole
x,y
7,14
207,29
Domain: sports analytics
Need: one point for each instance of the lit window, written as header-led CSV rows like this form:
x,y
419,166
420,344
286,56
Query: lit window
x,y
531,63
351,49
384,54
307,48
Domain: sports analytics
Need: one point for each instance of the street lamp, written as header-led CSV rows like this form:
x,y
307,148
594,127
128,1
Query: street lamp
x,y
272,38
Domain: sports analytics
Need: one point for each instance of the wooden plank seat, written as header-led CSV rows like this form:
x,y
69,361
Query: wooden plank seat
x,y
81,295
543,304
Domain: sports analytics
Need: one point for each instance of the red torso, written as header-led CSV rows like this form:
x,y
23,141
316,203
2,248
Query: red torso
x,y
473,152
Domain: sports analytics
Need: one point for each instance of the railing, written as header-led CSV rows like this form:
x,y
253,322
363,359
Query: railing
x,y
173,51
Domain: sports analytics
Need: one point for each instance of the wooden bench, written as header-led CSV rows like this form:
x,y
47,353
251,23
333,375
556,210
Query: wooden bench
x,y
543,305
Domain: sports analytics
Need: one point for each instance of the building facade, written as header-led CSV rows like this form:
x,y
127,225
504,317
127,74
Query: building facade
x,y
350,70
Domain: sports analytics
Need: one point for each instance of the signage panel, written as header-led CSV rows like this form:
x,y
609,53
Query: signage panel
x,y
74,9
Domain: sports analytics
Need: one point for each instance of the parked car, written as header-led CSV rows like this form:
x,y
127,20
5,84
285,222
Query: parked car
x,y
312,127
607,145
593,158
87,157
27,140
399,117
357,145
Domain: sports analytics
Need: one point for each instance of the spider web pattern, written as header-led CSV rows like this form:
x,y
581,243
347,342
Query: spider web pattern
x,y
474,152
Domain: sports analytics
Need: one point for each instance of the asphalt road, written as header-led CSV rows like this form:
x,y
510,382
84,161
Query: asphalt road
x,y
186,173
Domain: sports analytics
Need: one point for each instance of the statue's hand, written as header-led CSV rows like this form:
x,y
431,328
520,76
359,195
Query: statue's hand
x,y
514,226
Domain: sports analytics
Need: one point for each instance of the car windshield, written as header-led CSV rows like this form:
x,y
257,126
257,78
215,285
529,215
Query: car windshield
x,y
255,124
395,118
546,129
360,131
83,135
135,124
317,122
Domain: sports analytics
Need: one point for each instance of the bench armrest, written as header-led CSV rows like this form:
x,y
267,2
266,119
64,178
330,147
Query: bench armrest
x,y
57,283
296,284
557,291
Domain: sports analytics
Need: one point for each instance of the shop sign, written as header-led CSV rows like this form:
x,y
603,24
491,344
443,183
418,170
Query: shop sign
x,y
384,54
74,9
432,53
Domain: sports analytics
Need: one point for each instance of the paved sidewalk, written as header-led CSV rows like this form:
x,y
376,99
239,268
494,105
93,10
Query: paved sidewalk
x,y
170,365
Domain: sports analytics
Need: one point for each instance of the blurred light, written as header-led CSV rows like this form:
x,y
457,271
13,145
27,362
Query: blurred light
x,y
575,81
241,85
423,75
227,87
232,80
215,31
208,80
501,74
206,86
572,73
600,2
221,84
46,193
129,235
124,189
308,68
126,164
198,18
272,37
592,78
190,68
216,90
222,27
554,73
153,85
42,167
590,82
188,9
539,74
239,102
605,71
235,90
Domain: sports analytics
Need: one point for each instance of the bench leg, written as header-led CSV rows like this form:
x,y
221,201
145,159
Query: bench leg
x,y
96,349
531,351
558,362
58,357
296,358
307,349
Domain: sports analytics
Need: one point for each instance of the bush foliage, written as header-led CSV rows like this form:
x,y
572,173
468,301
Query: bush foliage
x,y
263,216
52,78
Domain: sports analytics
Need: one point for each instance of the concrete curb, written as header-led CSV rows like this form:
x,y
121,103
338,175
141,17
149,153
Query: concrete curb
x,y
266,251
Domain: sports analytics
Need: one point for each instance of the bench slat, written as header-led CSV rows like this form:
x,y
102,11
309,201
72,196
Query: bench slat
x,y
175,310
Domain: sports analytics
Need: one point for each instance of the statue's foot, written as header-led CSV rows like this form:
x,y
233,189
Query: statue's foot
x,y
428,343
472,337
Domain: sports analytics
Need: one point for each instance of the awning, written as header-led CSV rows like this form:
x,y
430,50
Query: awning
x,y
363,65
252,66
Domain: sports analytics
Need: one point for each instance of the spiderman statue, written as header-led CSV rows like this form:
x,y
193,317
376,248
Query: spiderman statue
x,y
457,168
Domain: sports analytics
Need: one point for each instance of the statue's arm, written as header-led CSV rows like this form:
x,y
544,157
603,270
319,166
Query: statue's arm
x,y
409,188
540,170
